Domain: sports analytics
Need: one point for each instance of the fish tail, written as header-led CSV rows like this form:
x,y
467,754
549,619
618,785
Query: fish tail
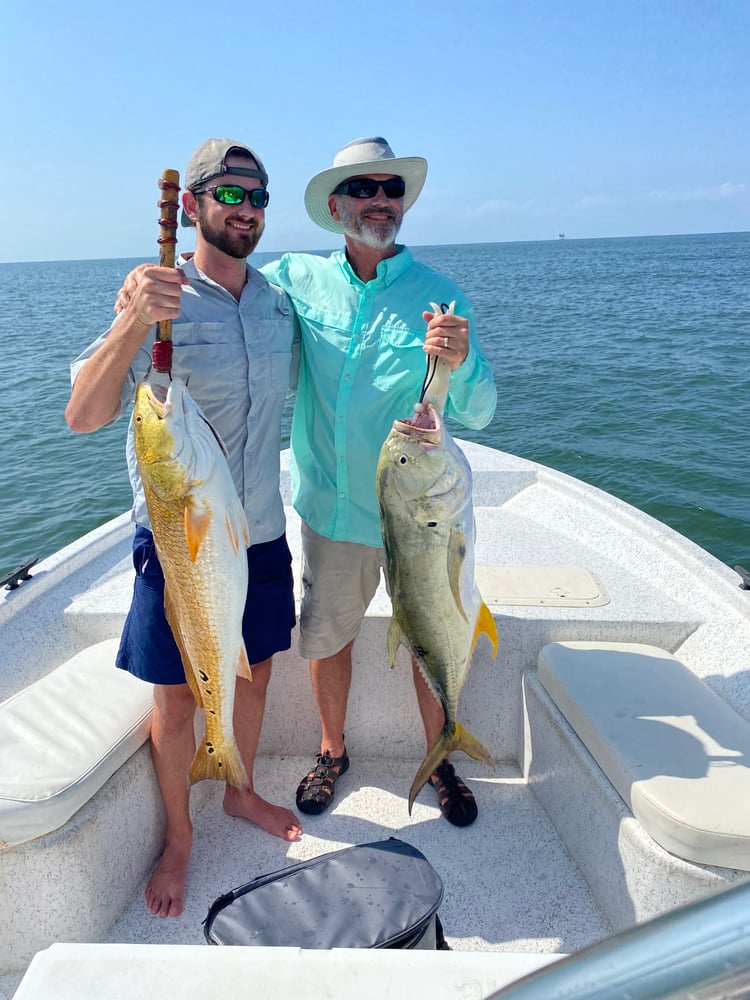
x,y
452,737
223,764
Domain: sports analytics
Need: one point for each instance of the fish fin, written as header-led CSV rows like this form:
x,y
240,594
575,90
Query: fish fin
x,y
243,665
237,529
485,623
223,764
174,624
396,638
234,538
197,524
452,737
456,557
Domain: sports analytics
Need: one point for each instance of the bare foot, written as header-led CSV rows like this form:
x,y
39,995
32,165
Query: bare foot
x,y
273,819
166,887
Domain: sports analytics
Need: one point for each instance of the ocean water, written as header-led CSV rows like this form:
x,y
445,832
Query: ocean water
x,y
623,362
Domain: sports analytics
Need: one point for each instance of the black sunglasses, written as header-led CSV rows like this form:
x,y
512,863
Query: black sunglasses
x,y
366,187
233,194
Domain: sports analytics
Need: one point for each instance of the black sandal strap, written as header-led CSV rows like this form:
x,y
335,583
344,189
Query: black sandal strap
x,y
456,800
316,789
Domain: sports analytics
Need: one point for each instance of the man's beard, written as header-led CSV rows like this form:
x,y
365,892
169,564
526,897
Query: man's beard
x,y
377,235
233,242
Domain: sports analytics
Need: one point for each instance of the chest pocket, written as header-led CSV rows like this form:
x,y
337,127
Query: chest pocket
x,y
213,363
401,357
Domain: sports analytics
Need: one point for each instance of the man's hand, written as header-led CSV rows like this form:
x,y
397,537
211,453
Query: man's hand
x,y
447,337
152,293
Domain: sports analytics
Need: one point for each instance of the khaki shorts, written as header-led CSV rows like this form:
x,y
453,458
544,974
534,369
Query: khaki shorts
x,y
339,580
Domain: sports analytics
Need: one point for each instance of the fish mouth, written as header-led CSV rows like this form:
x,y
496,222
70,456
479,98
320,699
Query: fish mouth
x,y
160,398
425,427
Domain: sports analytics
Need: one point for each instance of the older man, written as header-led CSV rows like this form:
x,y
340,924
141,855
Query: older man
x,y
362,315
233,337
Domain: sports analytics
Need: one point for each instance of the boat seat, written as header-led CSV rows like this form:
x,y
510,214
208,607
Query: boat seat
x,y
676,752
62,737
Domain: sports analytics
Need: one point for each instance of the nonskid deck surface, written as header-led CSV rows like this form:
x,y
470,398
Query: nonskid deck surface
x,y
509,885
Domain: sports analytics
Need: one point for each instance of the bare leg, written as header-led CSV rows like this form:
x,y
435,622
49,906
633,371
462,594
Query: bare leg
x,y
172,750
249,706
457,802
430,708
331,680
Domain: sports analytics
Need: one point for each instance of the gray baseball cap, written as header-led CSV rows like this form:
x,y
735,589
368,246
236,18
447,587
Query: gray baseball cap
x,y
210,160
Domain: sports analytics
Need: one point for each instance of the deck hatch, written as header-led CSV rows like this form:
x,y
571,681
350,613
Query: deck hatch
x,y
553,586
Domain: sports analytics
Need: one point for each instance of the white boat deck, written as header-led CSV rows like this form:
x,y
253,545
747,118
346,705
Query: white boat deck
x,y
511,884
492,871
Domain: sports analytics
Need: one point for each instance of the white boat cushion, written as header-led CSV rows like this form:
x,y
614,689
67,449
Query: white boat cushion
x,y
675,751
62,737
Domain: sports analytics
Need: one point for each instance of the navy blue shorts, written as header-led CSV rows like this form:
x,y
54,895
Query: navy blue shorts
x,y
147,646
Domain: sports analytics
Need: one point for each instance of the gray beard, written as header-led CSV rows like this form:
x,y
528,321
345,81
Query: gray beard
x,y
377,235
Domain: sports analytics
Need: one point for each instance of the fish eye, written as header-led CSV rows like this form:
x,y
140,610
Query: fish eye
x,y
432,524
402,460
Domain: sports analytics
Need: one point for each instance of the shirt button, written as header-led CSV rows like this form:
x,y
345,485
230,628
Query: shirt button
x,y
347,378
342,495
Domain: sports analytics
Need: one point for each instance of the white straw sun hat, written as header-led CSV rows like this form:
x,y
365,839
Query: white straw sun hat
x,y
362,156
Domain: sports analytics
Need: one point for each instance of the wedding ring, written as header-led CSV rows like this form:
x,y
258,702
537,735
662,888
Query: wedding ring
x,y
445,341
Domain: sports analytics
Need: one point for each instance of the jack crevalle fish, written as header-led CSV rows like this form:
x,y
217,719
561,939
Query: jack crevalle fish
x,y
201,537
424,487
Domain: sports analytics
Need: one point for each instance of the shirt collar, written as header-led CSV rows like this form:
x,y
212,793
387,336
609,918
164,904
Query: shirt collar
x,y
254,277
387,271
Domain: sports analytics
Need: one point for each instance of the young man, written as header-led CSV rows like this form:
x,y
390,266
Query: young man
x,y
362,319
233,337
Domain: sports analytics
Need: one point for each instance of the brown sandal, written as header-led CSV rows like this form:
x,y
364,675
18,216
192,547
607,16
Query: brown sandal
x,y
315,791
457,802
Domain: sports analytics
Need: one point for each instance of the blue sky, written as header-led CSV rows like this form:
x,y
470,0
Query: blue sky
x,y
589,117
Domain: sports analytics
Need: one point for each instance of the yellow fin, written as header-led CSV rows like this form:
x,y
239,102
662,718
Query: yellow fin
x,y
236,526
243,664
485,623
197,524
452,737
221,763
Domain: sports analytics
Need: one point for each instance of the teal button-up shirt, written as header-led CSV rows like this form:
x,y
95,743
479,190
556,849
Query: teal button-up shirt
x,y
362,366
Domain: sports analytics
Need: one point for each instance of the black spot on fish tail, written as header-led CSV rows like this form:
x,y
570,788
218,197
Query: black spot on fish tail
x,y
203,675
